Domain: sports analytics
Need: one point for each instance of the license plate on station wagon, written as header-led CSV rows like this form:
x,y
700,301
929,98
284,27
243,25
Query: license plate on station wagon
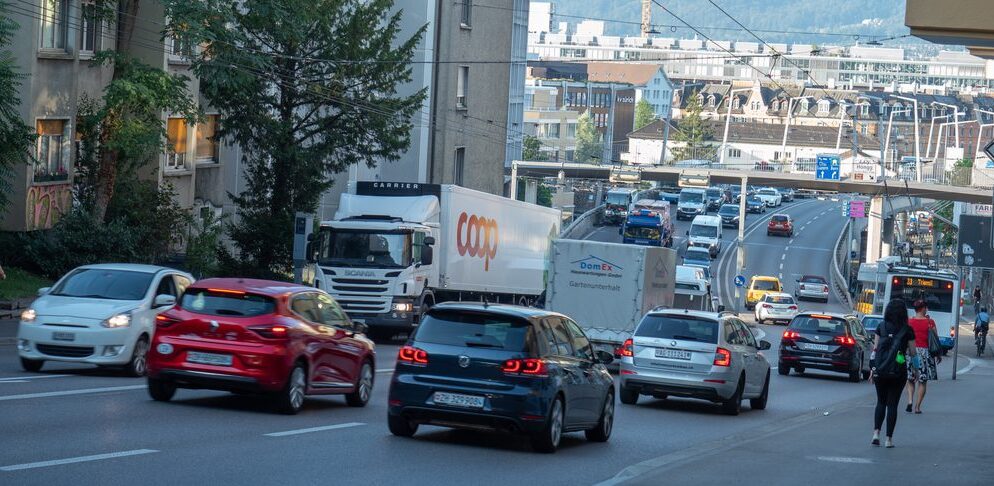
x,y
815,347
63,336
672,353
208,358
457,400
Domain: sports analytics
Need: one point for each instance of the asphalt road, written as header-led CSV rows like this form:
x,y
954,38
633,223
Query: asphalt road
x,y
78,425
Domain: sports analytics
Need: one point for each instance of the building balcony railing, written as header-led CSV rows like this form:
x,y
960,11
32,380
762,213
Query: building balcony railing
x,y
174,161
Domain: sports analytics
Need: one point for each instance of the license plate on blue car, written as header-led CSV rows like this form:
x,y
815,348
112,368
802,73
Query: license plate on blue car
x,y
458,400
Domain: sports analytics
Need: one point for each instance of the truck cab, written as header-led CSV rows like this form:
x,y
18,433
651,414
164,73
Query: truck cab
x,y
705,232
617,203
648,224
692,203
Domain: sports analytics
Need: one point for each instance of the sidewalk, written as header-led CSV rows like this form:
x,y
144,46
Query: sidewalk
x,y
950,443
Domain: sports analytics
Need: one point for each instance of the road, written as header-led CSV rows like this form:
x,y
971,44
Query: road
x,y
73,422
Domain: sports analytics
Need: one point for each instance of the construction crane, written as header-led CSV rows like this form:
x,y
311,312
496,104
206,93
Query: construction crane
x,y
646,18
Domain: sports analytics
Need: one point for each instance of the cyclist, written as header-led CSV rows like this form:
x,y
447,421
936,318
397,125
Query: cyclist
x,y
980,327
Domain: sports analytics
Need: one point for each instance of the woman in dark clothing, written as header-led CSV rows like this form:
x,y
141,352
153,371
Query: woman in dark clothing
x,y
889,388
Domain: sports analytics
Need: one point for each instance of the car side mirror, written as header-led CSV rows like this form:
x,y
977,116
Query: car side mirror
x,y
427,255
429,240
764,345
360,327
603,357
309,251
721,308
163,300
44,290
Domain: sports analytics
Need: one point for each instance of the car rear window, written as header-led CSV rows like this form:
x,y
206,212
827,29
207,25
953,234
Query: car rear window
x,y
782,299
779,219
682,328
811,279
473,329
818,324
228,303
764,285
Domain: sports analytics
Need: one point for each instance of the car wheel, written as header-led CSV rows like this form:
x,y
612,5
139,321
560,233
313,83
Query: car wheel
x,y
759,403
824,301
400,426
161,390
769,233
854,374
547,440
629,396
799,369
363,387
783,370
602,432
733,405
291,399
32,365
138,365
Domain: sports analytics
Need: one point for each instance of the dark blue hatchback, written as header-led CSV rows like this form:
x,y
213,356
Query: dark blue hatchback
x,y
500,367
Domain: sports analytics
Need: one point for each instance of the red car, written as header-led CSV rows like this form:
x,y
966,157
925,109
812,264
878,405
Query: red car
x,y
780,224
260,336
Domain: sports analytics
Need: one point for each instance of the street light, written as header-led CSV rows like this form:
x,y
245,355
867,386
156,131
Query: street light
x,y
918,158
728,117
790,111
980,133
883,156
956,114
931,126
955,124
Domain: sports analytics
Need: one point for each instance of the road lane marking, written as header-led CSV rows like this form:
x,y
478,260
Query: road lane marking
x,y
85,391
791,242
846,460
21,379
388,370
781,267
314,429
783,257
73,460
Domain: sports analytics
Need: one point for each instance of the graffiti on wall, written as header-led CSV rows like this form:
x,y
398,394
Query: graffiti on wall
x,y
46,204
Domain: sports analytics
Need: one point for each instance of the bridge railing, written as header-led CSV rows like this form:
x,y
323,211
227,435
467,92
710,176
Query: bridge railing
x,y
840,257
583,224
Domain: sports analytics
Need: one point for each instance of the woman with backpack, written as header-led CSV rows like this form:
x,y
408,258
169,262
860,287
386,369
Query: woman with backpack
x,y
922,369
895,342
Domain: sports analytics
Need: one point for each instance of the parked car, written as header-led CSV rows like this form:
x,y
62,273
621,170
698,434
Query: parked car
x,y
260,336
694,354
786,193
828,341
729,214
503,368
780,224
98,314
812,287
776,307
755,205
760,286
871,322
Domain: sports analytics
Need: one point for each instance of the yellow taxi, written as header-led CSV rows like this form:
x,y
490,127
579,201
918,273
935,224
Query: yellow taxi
x,y
759,286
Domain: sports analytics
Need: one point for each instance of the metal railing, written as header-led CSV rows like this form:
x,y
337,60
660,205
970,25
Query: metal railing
x,y
582,224
840,256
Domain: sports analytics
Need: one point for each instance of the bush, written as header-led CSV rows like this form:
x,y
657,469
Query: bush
x,y
203,247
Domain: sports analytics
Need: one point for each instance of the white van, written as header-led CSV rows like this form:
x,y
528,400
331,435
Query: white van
x,y
705,232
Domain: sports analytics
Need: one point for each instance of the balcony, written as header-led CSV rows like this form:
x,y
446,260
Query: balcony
x,y
174,162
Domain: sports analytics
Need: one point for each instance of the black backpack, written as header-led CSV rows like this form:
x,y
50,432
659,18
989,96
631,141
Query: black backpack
x,y
891,346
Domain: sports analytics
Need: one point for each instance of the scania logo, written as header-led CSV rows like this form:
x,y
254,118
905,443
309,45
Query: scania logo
x,y
359,273
477,236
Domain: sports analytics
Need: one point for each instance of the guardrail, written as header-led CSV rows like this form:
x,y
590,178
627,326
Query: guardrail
x,y
583,224
838,279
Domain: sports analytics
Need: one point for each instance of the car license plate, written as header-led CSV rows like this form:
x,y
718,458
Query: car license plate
x,y
672,353
816,347
458,400
63,336
208,358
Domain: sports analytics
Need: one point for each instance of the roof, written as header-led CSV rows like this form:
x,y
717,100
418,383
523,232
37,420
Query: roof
x,y
837,315
251,285
508,310
128,267
764,277
615,72
685,312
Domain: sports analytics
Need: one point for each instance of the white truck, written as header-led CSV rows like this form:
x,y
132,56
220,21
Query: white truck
x,y
395,249
608,287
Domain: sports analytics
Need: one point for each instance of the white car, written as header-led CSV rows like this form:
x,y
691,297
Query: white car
x,y
776,307
98,314
770,196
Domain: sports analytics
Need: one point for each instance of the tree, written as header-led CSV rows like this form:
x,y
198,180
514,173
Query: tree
x,y
533,149
16,138
306,88
962,173
695,132
644,114
589,142
543,196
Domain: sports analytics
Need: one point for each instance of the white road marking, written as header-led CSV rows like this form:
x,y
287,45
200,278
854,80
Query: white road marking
x,y
781,267
21,379
783,257
791,242
780,276
73,460
85,391
847,460
388,370
314,429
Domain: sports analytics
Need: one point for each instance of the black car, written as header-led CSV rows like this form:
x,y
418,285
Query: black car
x,y
716,198
755,205
501,367
830,342
786,194
729,214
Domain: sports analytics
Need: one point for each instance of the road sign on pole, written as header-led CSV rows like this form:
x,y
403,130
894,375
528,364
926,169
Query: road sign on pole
x,y
857,209
828,167
740,281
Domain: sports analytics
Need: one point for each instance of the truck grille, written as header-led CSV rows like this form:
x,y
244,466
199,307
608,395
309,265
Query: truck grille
x,y
65,351
361,295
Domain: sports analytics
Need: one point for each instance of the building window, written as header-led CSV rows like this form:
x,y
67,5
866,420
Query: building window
x,y
466,19
89,27
462,87
52,159
54,25
571,130
176,137
734,153
458,166
552,130
823,107
864,110
207,144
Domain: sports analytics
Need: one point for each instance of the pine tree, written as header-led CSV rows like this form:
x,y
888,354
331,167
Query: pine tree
x,y
533,149
589,142
695,132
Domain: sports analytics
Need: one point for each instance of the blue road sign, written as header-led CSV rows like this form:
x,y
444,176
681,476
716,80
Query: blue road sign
x,y
740,281
827,167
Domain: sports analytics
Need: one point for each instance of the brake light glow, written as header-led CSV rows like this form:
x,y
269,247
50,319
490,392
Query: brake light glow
x,y
722,357
270,332
626,348
226,291
820,316
412,355
791,335
845,340
527,366
825,288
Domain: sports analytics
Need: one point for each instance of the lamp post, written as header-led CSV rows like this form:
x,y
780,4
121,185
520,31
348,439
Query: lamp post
x,y
918,157
728,118
941,127
931,126
956,115
980,133
883,156
786,126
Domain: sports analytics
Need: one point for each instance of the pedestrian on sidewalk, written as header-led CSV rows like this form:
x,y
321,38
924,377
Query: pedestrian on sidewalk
x,y
922,369
892,346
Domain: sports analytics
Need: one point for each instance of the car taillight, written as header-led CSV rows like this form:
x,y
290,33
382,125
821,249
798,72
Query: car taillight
x,y
767,306
845,340
163,321
412,355
527,367
270,332
952,332
722,357
625,349
825,288
793,307
791,335
802,286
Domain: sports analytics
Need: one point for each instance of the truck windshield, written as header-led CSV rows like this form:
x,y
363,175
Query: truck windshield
x,y
704,231
618,199
691,197
351,247
641,232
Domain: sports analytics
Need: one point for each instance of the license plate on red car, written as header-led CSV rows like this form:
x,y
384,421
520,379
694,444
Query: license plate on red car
x,y
208,358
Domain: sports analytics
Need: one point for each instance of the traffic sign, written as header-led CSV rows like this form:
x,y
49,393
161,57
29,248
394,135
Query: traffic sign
x,y
989,150
827,167
740,281
857,209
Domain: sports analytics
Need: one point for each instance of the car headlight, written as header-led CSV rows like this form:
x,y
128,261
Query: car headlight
x,y
403,307
28,315
118,320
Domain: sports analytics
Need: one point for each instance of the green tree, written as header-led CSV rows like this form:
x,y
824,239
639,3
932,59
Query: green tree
x,y
695,132
16,138
644,114
589,142
533,149
544,196
962,173
306,88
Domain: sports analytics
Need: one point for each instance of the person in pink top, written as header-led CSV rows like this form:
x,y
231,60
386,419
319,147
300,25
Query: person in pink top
x,y
922,369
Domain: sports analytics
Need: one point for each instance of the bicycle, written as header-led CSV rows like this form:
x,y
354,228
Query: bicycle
x,y
980,340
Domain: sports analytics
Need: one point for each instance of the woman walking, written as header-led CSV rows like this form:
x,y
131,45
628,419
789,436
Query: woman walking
x,y
922,369
894,343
